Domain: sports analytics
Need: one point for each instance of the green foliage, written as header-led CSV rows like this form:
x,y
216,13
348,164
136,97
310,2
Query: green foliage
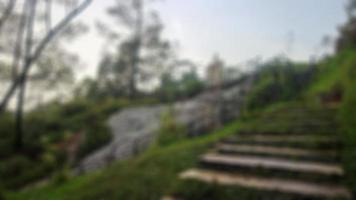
x,y
94,138
191,84
329,75
187,86
61,176
338,73
170,131
149,176
347,38
348,118
46,128
49,159
279,81
6,134
19,171
2,195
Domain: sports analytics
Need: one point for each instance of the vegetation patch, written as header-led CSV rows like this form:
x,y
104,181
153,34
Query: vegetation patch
x,y
149,176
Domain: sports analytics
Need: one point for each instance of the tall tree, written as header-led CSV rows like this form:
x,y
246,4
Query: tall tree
x,y
29,49
142,49
347,38
6,13
351,7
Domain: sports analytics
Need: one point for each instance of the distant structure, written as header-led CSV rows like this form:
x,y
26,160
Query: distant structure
x,y
215,79
215,72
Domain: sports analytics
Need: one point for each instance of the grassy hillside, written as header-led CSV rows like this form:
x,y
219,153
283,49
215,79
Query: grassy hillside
x,y
337,76
148,176
328,89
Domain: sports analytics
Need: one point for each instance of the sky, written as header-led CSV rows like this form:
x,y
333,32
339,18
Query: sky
x,y
237,30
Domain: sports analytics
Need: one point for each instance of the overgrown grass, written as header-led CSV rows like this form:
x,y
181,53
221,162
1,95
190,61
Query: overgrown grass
x,y
148,176
330,73
170,130
348,119
338,73
279,80
47,128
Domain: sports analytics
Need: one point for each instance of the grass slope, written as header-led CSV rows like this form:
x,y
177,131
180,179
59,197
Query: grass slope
x,y
148,176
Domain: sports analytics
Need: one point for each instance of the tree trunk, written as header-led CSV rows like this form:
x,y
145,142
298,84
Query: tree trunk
x,y
137,49
42,45
7,13
19,143
22,87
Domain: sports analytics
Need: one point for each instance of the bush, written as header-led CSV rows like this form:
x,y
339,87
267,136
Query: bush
x,y
6,134
19,171
279,81
47,127
49,160
2,194
61,176
348,119
170,131
94,138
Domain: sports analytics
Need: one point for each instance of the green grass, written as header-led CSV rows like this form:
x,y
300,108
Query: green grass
x,y
286,120
148,176
339,72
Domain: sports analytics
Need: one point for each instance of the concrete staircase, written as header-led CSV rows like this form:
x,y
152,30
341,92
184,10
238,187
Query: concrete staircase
x,y
299,166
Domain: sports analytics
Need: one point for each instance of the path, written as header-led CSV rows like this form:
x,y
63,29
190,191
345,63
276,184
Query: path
x,y
282,164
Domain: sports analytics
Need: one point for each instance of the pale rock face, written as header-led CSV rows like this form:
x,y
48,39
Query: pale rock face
x,y
134,129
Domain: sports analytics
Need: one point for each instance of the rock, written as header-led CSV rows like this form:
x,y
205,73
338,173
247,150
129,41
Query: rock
x,y
134,129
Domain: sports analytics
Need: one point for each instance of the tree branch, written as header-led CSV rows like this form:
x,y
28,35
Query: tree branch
x,y
51,34
48,15
42,45
8,10
19,40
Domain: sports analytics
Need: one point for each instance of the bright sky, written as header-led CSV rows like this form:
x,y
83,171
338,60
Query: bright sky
x,y
238,30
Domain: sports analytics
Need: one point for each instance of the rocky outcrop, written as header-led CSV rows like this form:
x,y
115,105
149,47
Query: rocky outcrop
x,y
134,129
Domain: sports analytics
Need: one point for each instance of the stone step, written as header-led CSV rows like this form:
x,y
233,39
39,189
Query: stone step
x,y
271,164
286,138
170,198
251,132
304,141
278,152
276,185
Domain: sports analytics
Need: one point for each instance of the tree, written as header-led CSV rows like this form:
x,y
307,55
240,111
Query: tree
x,y
347,38
28,49
177,82
9,7
350,8
142,51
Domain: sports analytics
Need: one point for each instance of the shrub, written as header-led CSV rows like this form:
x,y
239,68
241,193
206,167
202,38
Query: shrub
x,y
20,170
49,160
279,81
94,138
62,176
6,134
2,193
348,118
170,131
